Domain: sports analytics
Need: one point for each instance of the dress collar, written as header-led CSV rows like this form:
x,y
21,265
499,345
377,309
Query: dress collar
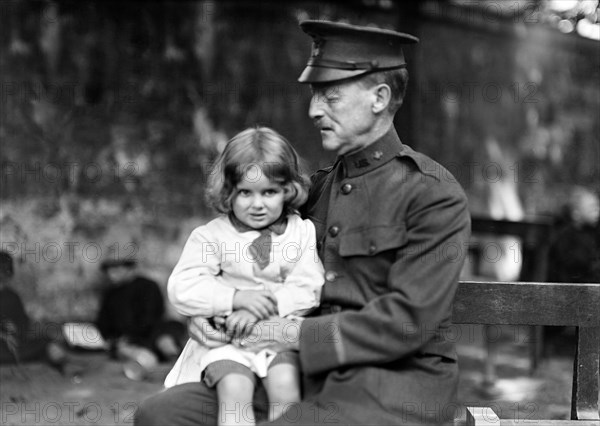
x,y
278,227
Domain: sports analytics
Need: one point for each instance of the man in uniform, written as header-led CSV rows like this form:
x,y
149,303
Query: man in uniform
x,y
391,228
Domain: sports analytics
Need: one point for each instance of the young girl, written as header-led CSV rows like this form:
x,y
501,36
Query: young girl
x,y
257,259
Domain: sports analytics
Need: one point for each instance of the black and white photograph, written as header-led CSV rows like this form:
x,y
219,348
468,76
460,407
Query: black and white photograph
x,y
361,212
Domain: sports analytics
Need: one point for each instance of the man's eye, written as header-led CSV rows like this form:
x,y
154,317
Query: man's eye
x,y
332,94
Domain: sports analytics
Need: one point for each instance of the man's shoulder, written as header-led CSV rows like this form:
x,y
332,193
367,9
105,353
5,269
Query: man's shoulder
x,y
321,174
319,177
425,164
428,177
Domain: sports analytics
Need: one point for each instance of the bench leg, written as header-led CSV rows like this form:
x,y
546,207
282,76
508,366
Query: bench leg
x,y
477,416
584,401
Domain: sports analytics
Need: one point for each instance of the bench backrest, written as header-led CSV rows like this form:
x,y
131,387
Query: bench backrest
x,y
527,303
535,236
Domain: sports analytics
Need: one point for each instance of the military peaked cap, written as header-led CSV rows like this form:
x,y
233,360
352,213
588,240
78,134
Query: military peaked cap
x,y
342,51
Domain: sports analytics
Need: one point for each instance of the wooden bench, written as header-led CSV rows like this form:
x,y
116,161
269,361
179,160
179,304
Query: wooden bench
x,y
536,304
535,235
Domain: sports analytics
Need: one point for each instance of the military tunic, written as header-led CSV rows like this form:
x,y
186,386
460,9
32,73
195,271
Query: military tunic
x,y
392,227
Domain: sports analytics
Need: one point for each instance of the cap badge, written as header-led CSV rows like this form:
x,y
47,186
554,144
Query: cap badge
x,y
377,155
317,47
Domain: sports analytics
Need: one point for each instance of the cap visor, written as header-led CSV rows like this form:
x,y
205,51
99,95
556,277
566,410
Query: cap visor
x,y
325,75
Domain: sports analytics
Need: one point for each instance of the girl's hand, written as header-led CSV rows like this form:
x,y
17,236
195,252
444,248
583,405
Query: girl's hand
x,y
260,303
240,323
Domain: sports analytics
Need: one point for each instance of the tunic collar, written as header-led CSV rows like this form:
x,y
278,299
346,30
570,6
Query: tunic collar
x,y
373,156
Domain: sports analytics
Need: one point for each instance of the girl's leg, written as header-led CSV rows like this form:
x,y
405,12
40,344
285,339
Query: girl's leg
x,y
283,388
235,393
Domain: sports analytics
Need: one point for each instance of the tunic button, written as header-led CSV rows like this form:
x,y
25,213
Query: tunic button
x,y
334,230
331,276
372,248
346,189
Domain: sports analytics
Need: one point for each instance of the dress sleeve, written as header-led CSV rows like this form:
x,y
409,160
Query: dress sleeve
x,y
194,288
301,291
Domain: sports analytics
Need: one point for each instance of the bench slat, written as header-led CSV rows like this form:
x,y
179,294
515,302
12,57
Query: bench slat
x,y
525,303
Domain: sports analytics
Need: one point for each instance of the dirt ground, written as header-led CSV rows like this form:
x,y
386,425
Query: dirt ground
x,y
101,395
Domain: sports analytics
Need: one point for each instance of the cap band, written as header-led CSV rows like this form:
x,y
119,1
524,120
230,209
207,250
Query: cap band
x,y
330,63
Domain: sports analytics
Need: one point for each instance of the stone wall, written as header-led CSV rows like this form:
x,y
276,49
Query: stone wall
x,y
112,113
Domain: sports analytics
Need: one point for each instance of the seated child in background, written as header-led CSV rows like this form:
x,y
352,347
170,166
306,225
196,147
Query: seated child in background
x,y
132,319
255,260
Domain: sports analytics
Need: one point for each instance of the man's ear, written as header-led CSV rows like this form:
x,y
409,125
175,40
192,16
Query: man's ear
x,y
383,96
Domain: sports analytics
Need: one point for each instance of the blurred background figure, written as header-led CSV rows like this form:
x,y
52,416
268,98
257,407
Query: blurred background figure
x,y
503,202
574,257
20,340
132,319
575,250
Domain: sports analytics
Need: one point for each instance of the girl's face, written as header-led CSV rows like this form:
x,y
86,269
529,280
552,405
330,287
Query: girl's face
x,y
257,201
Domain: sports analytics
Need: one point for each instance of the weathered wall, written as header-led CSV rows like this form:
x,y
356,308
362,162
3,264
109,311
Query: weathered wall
x,y
486,82
111,114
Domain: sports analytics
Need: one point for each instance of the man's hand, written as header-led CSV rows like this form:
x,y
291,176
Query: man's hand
x,y
276,333
201,330
240,323
261,304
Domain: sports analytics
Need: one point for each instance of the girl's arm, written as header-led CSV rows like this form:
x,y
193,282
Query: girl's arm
x,y
194,288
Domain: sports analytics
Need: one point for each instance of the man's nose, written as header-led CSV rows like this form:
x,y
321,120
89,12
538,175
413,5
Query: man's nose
x,y
315,110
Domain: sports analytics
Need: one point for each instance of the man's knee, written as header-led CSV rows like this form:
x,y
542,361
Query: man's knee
x,y
187,404
151,411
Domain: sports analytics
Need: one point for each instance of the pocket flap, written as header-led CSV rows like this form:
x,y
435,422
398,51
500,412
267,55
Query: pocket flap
x,y
372,240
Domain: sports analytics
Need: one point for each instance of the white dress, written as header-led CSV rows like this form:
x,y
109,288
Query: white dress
x,y
214,263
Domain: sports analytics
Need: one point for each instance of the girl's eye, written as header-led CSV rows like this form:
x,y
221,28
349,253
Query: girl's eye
x,y
272,192
243,192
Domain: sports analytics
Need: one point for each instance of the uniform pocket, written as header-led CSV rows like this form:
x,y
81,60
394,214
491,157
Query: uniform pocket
x,y
372,240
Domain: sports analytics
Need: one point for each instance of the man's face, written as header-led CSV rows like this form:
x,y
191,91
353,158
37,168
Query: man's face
x,y
342,111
